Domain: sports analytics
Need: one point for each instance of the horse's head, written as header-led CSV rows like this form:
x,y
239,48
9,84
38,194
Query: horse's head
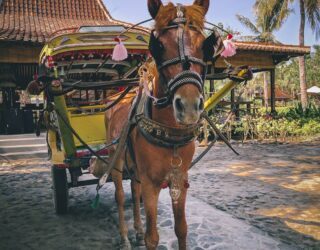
x,y
177,45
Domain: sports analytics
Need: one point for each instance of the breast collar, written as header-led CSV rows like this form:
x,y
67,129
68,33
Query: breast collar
x,y
160,134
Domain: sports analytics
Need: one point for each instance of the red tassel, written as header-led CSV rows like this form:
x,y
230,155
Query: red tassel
x,y
120,52
164,185
49,62
229,47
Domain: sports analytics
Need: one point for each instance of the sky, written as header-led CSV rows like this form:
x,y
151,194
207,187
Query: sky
x,y
223,11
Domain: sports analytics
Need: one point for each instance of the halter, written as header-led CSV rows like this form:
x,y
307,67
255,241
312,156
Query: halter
x,y
187,75
212,46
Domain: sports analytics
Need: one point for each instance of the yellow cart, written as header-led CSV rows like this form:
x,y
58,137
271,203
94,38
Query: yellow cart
x,y
80,80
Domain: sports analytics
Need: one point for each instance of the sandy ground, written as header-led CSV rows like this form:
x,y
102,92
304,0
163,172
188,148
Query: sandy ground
x,y
267,198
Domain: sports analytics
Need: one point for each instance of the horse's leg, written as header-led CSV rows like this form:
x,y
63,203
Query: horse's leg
x,y
119,196
180,224
150,195
136,192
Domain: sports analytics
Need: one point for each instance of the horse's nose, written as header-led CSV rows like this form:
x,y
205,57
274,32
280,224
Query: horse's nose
x,y
179,104
200,104
183,105
188,110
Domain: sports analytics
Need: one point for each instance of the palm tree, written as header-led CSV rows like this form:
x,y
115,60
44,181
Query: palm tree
x,y
309,9
269,16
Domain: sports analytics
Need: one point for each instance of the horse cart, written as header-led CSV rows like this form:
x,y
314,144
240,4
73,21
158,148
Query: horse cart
x,y
80,80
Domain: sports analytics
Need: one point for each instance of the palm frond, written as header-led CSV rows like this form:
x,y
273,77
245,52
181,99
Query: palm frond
x,y
279,14
263,6
312,8
248,23
271,14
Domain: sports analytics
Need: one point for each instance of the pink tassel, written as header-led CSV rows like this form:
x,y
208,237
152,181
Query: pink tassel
x,y
120,52
230,47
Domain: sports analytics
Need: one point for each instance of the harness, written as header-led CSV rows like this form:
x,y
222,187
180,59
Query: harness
x,y
160,134
186,76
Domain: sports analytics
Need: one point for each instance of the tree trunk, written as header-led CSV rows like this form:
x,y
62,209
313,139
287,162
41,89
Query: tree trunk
x,y
265,90
302,67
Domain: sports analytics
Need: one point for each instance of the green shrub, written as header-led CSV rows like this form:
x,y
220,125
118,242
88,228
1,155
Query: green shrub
x,y
312,111
312,127
290,122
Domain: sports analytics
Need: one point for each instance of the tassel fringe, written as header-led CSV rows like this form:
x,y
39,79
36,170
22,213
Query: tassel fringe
x,y
230,47
120,52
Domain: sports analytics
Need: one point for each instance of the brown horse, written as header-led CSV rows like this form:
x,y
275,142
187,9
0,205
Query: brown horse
x,y
163,159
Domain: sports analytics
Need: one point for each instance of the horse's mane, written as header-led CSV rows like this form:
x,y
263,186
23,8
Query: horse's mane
x,y
193,13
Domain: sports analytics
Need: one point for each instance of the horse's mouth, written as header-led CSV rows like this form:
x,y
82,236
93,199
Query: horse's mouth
x,y
187,121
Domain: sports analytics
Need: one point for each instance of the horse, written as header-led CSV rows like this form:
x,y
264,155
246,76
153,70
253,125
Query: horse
x,y
162,145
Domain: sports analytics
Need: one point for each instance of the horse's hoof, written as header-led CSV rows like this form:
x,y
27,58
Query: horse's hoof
x,y
125,244
140,239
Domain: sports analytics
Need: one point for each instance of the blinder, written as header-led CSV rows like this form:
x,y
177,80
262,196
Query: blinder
x,y
155,47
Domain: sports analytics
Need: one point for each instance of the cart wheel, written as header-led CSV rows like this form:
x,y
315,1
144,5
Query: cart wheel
x,y
60,189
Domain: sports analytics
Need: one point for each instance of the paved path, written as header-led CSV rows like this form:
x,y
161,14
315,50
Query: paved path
x,y
247,202
275,187
28,220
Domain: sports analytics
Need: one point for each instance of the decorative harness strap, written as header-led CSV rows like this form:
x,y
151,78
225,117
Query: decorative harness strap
x,y
160,134
187,75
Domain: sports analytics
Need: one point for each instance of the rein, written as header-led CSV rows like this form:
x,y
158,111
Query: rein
x,y
158,133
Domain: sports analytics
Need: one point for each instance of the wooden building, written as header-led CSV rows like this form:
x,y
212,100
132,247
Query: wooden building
x,y
262,57
24,28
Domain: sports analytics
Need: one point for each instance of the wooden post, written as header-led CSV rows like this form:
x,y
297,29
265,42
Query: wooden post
x,y
211,87
249,108
205,124
232,99
272,91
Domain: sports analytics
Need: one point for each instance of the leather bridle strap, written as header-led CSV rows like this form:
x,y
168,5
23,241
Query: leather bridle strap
x,y
178,59
186,76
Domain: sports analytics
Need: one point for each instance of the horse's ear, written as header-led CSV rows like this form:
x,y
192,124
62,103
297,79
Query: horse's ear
x,y
153,7
204,4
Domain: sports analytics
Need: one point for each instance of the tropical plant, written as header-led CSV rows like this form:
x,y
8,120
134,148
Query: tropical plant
x,y
269,16
310,10
287,73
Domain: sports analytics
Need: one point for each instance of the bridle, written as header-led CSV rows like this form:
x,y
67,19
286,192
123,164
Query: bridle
x,y
187,76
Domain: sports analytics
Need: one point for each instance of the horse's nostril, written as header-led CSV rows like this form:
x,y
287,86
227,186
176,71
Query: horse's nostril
x,y
201,104
178,104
